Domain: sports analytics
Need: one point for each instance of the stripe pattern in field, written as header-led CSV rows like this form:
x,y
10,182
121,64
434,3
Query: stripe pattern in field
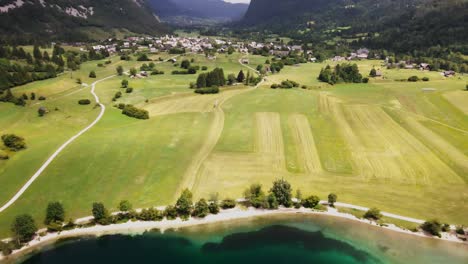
x,y
381,148
307,154
459,99
234,170
189,103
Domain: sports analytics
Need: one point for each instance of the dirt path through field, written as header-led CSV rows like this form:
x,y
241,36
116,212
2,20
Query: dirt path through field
x,y
194,170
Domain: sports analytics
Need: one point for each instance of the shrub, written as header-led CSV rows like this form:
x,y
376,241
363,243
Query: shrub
x,y
283,193
42,98
131,111
365,80
228,204
373,214
204,68
125,206
84,102
55,213
121,106
151,214
460,230
272,201
117,96
311,201
433,227
143,57
92,74
129,90
214,208
13,142
42,111
425,79
124,83
201,209
156,72
274,86
332,199
413,79
24,228
170,212
210,90
100,214
6,248
445,228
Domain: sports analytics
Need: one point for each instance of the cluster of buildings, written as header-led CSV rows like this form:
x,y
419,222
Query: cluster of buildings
x,y
360,54
195,45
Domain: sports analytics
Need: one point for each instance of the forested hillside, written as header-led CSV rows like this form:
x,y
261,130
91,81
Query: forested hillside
x,y
207,9
399,25
74,20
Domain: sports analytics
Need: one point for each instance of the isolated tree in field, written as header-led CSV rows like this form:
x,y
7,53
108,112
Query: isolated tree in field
x,y
120,70
100,213
241,77
373,73
201,209
133,71
433,227
185,64
13,142
332,199
41,111
125,206
283,192
124,83
184,204
373,214
92,74
33,96
55,213
24,228
311,201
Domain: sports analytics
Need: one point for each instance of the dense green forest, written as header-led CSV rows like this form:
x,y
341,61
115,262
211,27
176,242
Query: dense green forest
x,y
414,29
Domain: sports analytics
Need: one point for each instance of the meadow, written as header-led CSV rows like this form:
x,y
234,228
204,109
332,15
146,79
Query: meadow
x,y
385,144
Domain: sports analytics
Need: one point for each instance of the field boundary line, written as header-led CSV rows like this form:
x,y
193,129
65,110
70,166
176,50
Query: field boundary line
x,y
216,129
429,119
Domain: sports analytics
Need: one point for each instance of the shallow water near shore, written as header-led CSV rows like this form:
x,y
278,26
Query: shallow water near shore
x,y
272,239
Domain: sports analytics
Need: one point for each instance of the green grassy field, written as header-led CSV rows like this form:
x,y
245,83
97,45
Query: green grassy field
x,y
385,144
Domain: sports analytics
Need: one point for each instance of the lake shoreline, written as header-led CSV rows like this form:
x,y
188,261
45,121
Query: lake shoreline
x,y
139,227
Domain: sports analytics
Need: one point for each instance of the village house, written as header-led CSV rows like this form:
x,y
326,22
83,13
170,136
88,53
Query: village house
x,y
424,67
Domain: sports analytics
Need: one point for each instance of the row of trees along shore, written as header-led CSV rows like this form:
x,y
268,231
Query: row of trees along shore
x,y
24,227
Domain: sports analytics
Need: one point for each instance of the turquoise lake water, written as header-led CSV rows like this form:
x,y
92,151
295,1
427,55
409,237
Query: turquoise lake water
x,y
279,239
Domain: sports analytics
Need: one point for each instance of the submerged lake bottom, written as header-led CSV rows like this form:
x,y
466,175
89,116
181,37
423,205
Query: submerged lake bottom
x,y
272,239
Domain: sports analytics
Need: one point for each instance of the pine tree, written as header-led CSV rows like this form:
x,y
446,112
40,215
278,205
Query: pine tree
x,y
240,77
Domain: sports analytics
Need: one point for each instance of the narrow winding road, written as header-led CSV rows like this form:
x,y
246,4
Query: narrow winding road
x,y
60,149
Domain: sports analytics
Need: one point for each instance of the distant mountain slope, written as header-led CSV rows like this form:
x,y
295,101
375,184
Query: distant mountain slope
x,y
209,9
416,23
74,19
